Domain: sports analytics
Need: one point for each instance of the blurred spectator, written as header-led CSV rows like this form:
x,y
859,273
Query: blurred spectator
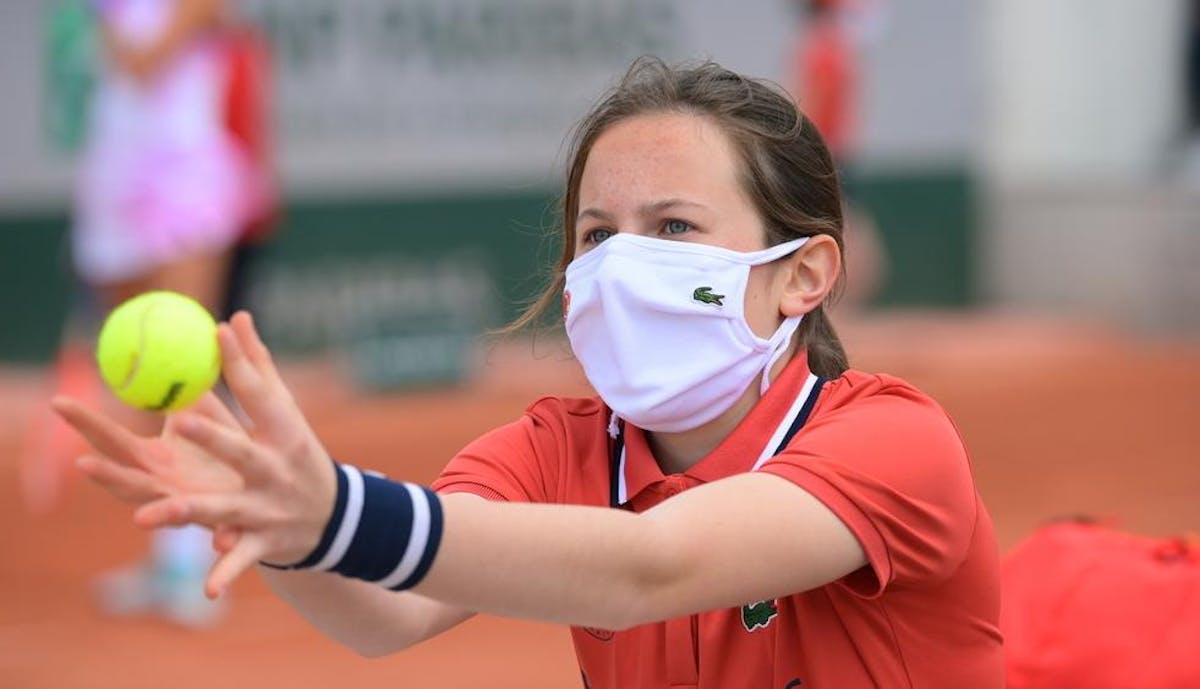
x,y
1190,163
826,71
1193,68
173,178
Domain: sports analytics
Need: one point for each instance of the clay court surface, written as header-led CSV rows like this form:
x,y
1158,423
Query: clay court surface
x,y
1060,419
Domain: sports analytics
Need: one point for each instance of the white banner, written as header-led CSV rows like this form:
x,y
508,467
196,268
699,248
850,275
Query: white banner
x,y
436,93
415,96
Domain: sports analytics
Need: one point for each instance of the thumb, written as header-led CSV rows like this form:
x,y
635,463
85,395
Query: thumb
x,y
229,566
224,538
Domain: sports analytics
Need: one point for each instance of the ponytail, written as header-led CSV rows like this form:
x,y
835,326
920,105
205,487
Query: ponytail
x,y
826,356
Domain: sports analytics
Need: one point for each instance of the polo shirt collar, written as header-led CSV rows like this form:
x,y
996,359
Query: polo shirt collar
x,y
769,426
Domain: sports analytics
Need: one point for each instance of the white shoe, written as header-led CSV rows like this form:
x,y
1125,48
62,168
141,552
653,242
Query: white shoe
x,y
182,601
144,589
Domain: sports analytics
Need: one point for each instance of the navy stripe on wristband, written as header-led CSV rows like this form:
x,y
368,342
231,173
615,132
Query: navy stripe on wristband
x,y
380,531
386,525
348,524
423,547
398,534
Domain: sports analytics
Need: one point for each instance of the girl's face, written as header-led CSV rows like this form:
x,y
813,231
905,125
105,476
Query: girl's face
x,y
676,176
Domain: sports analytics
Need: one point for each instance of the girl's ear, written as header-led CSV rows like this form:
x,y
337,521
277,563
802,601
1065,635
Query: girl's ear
x,y
810,275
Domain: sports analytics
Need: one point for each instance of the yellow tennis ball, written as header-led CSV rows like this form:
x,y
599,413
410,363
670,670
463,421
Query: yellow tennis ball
x,y
158,351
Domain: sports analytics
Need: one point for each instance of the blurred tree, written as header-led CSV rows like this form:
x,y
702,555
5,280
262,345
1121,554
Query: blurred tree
x,y
71,59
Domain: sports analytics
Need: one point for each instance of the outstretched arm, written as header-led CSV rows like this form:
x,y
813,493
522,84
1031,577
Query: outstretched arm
x,y
371,620
735,541
368,619
738,540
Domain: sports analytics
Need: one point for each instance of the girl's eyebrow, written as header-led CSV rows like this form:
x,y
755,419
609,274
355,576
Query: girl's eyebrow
x,y
652,208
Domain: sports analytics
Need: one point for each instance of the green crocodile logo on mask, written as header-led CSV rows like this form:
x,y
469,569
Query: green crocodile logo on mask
x,y
705,295
758,614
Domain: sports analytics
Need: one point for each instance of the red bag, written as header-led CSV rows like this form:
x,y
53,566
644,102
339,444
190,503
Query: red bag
x,y
1086,606
248,119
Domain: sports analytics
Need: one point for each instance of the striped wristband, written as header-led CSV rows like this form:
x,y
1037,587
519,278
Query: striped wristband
x,y
380,531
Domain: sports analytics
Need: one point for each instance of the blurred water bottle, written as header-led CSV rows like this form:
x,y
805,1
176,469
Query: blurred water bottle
x,y
71,64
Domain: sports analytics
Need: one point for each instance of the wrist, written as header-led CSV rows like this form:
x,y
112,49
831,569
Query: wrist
x,y
337,494
381,531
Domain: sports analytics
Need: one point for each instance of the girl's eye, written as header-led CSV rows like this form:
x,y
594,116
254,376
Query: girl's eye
x,y
596,236
676,227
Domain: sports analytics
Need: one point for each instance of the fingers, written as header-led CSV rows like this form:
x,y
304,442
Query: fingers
x,y
244,379
252,345
212,407
238,550
108,437
232,564
231,446
212,510
224,538
258,390
254,381
123,482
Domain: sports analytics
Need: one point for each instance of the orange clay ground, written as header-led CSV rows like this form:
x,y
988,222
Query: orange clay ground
x,y
1059,419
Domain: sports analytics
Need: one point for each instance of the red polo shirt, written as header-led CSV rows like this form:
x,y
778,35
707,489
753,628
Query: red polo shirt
x,y
881,455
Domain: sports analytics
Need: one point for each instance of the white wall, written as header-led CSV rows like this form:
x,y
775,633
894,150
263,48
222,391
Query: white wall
x,y
1081,90
923,94
1083,216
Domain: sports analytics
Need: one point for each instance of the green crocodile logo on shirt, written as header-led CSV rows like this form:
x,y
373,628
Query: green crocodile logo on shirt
x,y
758,614
705,295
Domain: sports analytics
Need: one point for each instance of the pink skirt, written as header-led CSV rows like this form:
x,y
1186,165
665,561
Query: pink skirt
x,y
140,207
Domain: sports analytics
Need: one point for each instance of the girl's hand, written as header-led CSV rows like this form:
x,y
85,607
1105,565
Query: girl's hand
x,y
289,484
139,470
271,483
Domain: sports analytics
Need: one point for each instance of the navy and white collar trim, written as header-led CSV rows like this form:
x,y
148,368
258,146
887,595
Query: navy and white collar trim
x,y
795,418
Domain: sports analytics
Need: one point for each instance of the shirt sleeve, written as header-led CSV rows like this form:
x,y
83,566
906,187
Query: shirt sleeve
x,y
516,462
893,468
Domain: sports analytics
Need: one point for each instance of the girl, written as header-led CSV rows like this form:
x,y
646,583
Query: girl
x,y
736,508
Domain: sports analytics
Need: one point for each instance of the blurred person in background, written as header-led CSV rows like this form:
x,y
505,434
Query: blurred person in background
x,y
171,183
73,64
826,74
1190,159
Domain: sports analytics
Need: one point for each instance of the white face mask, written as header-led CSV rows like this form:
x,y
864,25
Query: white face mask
x,y
660,329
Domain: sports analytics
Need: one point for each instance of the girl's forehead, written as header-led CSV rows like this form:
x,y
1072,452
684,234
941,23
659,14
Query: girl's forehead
x,y
662,134
661,155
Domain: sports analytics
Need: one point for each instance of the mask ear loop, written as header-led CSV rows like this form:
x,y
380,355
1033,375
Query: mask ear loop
x,y
789,326
791,323
774,253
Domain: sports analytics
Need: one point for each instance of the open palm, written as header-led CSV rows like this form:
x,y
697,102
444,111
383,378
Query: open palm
x,y
266,488
140,470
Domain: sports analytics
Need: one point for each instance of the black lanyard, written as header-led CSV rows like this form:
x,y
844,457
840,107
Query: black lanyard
x,y
618,443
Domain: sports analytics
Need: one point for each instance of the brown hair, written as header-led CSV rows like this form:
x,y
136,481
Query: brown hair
x,y
787,173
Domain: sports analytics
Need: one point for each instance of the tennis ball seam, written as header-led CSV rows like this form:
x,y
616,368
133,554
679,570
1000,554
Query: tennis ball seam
x,y
143,321
174,388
